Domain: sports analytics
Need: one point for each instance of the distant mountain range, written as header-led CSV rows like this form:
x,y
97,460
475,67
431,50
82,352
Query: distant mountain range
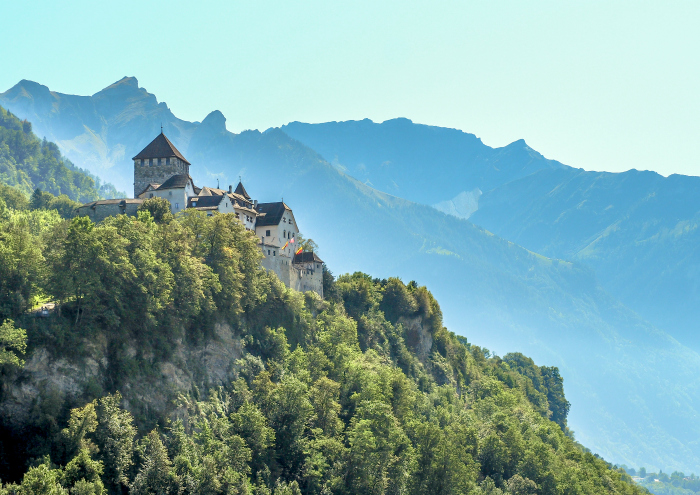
x,y
637,230
635,390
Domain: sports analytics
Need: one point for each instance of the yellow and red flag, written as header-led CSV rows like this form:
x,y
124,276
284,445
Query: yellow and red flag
x,y
285,244
299,251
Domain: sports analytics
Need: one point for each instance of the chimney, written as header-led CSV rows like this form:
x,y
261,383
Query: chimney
x,y
230,188
255,204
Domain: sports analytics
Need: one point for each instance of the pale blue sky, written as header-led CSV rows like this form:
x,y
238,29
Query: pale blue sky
x,y
598,85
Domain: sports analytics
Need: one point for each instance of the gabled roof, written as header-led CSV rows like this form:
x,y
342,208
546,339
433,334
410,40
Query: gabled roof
x,y
273,213
150,187
176,182
212,191
204,201
307,258
241,190
242,202
160,147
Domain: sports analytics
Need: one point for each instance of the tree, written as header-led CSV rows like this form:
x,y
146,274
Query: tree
x,y
85,471
82,422
308,245
12,341
158,208
555,395
115,434
21,265
40,200
397,301
156,476
42,480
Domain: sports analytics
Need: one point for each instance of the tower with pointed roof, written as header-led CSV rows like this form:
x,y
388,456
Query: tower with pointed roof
x,y
156,163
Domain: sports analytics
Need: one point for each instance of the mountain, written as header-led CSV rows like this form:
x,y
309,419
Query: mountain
x,y
634,389
95,130
637,230
425,164
28,163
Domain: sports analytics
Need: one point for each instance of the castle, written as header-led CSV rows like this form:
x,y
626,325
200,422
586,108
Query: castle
x,y
161,171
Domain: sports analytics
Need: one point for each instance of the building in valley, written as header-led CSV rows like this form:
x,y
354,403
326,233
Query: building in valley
x,y
161,171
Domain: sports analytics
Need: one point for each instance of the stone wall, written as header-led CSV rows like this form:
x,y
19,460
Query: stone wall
x,y
281,265
99,210
145,174
305,277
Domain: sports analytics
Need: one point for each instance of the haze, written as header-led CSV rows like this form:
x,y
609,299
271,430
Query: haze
x,y
597,85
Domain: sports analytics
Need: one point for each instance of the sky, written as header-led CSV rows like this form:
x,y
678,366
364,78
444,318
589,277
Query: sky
x,y
600,85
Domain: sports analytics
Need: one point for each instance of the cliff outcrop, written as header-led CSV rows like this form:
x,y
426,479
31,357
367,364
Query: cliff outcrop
x,y
50,381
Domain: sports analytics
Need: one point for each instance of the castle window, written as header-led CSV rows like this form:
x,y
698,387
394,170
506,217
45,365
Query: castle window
x,y
167,161
177,206
268,252
274,253
284,234
150,195
267,233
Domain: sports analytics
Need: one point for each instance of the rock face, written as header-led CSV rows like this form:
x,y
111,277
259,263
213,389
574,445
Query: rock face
x,y
49,381
418,339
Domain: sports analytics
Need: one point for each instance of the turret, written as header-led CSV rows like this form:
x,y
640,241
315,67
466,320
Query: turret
x,y
156,163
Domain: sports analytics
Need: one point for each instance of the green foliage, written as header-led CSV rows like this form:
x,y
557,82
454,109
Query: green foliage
x,y
65,206
12,341
661,483
159,209
362,393
34,165
543,385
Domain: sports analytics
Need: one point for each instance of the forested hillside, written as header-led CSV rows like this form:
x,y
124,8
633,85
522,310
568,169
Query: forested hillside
x,y
634,389
363,392
28,163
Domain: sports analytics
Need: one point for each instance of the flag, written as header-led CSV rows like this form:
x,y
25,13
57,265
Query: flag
x,y
299,251
292,241
285,244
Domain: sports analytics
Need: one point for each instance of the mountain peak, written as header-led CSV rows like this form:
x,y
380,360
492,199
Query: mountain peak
x,y
123,85
27,87
215,120
520,143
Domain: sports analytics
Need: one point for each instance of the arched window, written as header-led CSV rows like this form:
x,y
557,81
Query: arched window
x,y
284,234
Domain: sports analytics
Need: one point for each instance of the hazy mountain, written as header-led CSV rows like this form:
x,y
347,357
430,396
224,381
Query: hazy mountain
x,y
94,131
637,230
425,164
634,389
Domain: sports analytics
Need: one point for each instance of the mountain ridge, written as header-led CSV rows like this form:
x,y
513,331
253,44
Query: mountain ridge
x,y
539,208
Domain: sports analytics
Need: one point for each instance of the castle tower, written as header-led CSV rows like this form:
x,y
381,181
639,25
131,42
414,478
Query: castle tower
x,y
156,163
